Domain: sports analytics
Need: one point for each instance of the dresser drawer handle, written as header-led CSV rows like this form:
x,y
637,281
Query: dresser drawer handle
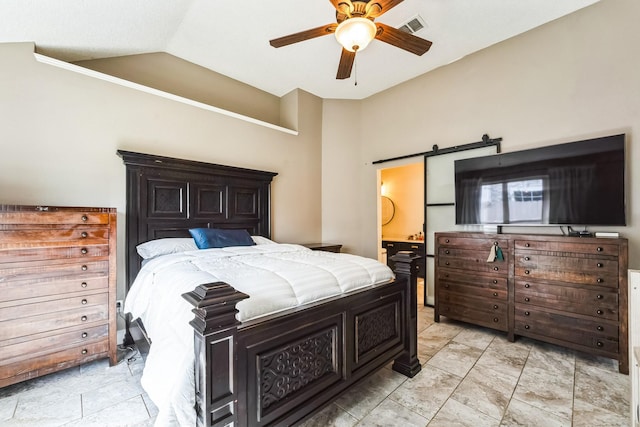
x,y
84,301
599,249
83,284
447,252
446,241
527,258
84,217
84,268
526,285
526,326
84,351
526,299
495,306
526,313
495,294
599,265
84,318
84,251
599,343
496,320
446,263
414,246
526,272
600,312
526,245
390,245
84,234
84,335
495,269
495,282
600,328
600,280
599,296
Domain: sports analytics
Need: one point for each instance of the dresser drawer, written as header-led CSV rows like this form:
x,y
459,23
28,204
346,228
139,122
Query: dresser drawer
x,y
13,328
566,246
55,268
590,302
494,320
489,305
20,257
471,260
42,217
492,282
588,271
592,334
45,343
54,361
40,238
16,290
482,244
17,309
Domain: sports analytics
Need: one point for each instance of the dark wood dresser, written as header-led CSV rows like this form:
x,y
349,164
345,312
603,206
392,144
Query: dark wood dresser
x,y
57,289
569,291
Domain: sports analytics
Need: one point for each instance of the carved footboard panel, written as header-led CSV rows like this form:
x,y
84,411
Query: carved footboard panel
x,y
280,370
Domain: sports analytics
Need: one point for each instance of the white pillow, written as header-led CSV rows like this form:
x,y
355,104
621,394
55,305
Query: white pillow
x,y
259,240
171,245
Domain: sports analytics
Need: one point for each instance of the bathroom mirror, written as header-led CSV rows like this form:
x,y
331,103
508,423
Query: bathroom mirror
x,y
388,210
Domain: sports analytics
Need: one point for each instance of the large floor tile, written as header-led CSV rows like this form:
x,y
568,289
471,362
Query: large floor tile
x,y
488,392
390,413
521,414
455,414
455,358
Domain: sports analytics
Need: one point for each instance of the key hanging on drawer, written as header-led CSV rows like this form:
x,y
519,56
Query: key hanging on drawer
x,y
492,254
499,254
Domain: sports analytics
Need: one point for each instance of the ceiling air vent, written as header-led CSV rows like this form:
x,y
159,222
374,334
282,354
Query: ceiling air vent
x,y
415,24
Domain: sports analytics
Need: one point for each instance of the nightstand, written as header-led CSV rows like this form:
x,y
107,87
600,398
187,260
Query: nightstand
x,y
327,247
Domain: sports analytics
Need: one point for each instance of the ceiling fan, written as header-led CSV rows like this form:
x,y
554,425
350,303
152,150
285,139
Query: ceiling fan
x,y
355,29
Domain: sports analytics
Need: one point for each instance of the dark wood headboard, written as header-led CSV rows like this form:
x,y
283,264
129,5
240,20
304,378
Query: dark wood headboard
x,y
167,196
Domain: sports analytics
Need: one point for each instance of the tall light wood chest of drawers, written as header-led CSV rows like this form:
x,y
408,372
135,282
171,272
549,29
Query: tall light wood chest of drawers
x,y
57,289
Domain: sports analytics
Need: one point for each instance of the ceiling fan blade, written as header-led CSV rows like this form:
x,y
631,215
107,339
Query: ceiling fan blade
x,y
343,6
346,64
376,8
304,35
403,40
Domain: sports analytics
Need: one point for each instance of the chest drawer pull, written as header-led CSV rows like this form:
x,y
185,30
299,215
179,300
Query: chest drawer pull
x,y
84,234
84,268
526,272
527,258
600,328
447,252
526,326
84,335
84,251
414,246
84,318
526,313
496,320
599,344
600,280
446,263
84,301
526,299
496,268
84,218
83,284
495,294
495,282
526,285
526,245
446,241
84,351
495,306
599,265
599,249
600,312
599,296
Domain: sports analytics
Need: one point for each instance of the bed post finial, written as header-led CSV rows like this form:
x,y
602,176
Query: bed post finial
x,y
216,328
406,267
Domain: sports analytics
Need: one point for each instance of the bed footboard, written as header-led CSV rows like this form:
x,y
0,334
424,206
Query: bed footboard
x,y
280,370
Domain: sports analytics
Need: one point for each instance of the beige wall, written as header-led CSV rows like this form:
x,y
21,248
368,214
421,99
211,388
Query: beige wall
x,y
61,130
573,78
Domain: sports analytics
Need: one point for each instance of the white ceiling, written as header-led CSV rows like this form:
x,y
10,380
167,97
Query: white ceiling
x,y
232,37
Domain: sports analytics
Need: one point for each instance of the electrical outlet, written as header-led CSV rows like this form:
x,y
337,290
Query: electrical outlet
x,y
119,306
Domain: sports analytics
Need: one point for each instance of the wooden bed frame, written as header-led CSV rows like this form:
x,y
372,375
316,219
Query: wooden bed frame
x,y
281,369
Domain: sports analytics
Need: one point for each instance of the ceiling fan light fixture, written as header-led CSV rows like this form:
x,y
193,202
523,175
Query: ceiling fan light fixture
x,y
354,34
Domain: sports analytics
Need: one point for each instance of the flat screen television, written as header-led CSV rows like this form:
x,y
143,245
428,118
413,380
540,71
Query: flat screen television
x,y
578,183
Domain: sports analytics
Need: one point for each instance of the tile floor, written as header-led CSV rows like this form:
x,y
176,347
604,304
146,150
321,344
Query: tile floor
x,y
470,377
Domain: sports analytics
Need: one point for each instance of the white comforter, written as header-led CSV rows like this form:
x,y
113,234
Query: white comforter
x,y
275,276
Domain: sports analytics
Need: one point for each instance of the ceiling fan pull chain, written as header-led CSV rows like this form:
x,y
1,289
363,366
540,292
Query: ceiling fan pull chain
x,y
355,71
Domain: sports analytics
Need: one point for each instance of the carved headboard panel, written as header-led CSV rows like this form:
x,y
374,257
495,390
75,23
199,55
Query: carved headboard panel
x,y
167,196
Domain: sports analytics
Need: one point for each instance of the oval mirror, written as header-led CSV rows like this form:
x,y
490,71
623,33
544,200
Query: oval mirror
x,y
388,210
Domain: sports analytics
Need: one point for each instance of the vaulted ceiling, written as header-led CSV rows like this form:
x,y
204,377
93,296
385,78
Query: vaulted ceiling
x,y
232,37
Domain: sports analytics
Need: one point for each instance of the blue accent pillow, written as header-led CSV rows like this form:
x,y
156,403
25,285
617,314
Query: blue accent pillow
x,y
207,238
